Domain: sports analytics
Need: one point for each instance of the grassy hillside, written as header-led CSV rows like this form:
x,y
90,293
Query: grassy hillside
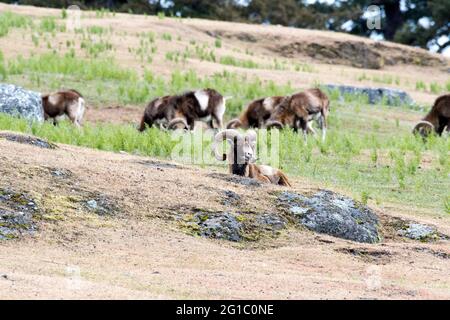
x,y
118,60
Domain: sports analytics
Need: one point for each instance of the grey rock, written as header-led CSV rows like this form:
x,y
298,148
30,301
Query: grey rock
x,y
274,222
16,214
375,95
17,101
333,214
417,231
219,226
24,139
231,198
298,210
92,204
101,205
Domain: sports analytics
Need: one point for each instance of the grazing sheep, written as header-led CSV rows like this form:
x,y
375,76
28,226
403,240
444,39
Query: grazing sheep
x,y
68,103
300,109
158,111
437,120
242,156
182,111
256,113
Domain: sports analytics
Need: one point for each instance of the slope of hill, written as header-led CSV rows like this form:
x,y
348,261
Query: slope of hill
x,y
139,249
97,224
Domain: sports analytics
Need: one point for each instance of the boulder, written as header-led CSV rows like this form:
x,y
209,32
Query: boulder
x,y
375,95
17,211
417,231
17,101
219,226
333,214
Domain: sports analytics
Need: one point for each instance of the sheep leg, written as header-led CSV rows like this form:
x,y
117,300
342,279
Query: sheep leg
x,y
304,126
218,113
216,121
323,125
263,179
72,113
311,129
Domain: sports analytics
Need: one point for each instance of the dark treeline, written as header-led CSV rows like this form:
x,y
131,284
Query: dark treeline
x,y
423,23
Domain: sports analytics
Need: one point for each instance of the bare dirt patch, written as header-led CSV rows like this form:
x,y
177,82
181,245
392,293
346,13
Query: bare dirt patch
x,y
141,252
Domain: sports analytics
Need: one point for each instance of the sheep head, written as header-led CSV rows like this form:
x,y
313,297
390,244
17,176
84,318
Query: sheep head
x,y
243,147
424,128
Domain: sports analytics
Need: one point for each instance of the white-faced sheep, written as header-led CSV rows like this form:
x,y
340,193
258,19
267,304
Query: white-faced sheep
x,y
242,156
256,113
300,109
437,120
68,103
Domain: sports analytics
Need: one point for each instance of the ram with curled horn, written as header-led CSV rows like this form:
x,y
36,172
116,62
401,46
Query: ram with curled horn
x,y
242,156
300,110
437,120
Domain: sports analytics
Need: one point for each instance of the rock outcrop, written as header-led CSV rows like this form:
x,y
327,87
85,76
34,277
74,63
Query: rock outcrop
x,y
17,101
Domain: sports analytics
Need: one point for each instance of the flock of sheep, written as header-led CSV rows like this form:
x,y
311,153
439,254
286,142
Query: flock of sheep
x,y
183,111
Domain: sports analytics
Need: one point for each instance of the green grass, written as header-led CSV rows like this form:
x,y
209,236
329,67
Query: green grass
x,y
48,24
9,20
232,61
68,64
3,70
370,165
166,36
96,30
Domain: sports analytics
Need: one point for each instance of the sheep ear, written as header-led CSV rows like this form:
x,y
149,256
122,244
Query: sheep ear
x,y
227,98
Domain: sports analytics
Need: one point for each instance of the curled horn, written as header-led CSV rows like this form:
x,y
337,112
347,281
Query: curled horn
x,y
174,124
233,124
423,128
229,135
274,124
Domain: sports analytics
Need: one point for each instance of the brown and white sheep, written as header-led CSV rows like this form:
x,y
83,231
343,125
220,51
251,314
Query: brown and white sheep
x,y
158,111
185,109
242,156
437,120
256,113
63,103
300,109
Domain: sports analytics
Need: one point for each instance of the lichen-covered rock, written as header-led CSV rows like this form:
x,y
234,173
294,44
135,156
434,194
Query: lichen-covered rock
x,y
333,214
273,222
16,214
417,231
101,205
17,101
219,226
375,95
